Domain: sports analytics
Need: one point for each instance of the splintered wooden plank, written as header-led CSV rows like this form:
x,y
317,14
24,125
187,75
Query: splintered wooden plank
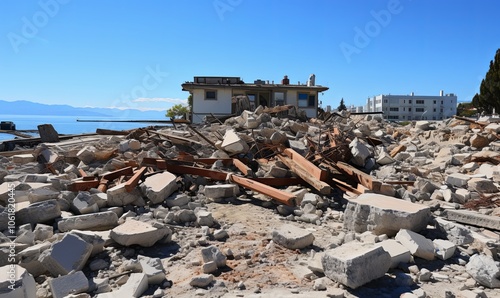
x,y
132,182
346,187
321,186
279,195
242,167
306,164
179,169
83,185
116,174
363,178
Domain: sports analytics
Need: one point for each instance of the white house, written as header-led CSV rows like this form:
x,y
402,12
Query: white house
x,y
213,95
413,107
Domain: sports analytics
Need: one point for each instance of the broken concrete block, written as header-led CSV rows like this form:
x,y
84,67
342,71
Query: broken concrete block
x,y
360,152
209,267
201,281
23,158
68,254
484,270
292,237
99,221
418,245
42,194
354,264
86,155
97,239
73,283
29,258
131,144
458,179
178,199
482,185
398,253
136,232
84,203
153,268
422,125
119,196
213,254
444,249
135,286
15,281
478,141
384,215
40,212
474,218
221,191
43,232
158,187
232,143
204,218
454,232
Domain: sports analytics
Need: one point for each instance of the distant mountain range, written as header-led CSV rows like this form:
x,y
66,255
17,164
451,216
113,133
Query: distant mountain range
x,y
23,107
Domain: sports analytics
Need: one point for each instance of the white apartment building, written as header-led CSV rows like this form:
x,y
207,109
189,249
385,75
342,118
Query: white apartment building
x,y
413,107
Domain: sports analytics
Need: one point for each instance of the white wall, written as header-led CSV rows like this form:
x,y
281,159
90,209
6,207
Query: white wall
x,y
204,107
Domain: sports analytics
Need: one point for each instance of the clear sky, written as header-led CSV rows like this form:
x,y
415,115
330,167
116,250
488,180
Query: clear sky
x,y
138,53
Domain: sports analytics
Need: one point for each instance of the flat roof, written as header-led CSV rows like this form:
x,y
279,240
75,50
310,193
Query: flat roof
x,y
191,85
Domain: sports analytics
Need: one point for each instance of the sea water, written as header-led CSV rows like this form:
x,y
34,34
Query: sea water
x,y
68,124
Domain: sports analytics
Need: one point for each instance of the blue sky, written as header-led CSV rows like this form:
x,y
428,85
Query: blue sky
x,y
138,53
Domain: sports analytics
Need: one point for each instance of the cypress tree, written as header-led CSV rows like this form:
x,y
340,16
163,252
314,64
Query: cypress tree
x,y
489,90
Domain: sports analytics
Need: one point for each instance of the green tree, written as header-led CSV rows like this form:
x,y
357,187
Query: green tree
x,y
341,106
489,91
177,110
190,102
466,109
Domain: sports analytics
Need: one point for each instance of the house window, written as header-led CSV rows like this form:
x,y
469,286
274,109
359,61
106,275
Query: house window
x,y
409,109
434,109
306,100
211,95
394,109
393,117
419,101
434,102
419,110
385,100
279,98
409,101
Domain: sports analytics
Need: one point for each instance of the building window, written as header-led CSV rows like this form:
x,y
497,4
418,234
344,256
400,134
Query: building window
x,y
419,110
394,109
306,100
434,109
441,102
279,98
385,100
434,102
409,109
393,117
210,95
409,101
419,101
441,110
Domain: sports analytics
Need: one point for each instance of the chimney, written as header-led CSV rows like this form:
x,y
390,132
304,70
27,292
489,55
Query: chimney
x,y
285,81
441,93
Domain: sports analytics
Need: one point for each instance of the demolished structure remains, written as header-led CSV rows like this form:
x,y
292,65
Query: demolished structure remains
x,y
339,205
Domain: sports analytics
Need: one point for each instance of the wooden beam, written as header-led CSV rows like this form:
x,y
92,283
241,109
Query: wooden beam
x,y
202,136
83,185
132,182
363,178
179,169
279,195
306,164
242,167
345,187
321,186
117,173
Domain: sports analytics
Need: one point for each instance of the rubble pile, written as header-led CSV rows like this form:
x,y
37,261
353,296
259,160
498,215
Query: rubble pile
x,y
256,206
